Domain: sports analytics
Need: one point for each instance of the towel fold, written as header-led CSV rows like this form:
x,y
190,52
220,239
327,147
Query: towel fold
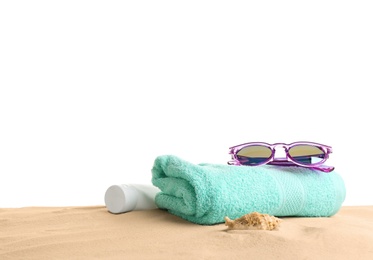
x,y
206,193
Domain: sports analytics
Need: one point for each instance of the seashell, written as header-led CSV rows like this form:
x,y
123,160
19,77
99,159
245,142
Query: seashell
x,y
253,220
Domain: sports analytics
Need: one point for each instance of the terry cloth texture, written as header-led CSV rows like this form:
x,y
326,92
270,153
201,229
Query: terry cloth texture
x,y
206,193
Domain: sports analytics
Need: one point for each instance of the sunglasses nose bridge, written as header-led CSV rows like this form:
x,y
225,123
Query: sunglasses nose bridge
x,y
280,153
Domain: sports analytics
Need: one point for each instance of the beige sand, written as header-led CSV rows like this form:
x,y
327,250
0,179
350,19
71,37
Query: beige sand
x,y
93,233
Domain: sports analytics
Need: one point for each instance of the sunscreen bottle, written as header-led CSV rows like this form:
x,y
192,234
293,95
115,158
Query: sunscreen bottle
x,y
127,197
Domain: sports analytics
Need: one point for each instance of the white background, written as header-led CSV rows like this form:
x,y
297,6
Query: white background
x,y
91,92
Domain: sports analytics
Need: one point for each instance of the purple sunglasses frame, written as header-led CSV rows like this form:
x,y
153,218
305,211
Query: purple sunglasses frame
x,y
288,161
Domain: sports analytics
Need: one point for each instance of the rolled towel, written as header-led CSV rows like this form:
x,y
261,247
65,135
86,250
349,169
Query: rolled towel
x,y
206,193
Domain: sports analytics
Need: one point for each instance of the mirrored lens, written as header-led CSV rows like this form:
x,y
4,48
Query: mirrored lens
x,y
306,154
254,155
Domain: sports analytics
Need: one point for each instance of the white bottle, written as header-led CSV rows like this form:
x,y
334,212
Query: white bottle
x,y
127,197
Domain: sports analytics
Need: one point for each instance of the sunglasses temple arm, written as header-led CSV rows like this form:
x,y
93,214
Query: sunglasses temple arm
x,y
233,163
324,168
282,163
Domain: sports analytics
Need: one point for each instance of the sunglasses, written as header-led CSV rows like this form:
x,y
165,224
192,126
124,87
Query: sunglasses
x,y
304,154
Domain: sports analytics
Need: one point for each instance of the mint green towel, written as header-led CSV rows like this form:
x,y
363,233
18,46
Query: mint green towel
x,y
206,193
